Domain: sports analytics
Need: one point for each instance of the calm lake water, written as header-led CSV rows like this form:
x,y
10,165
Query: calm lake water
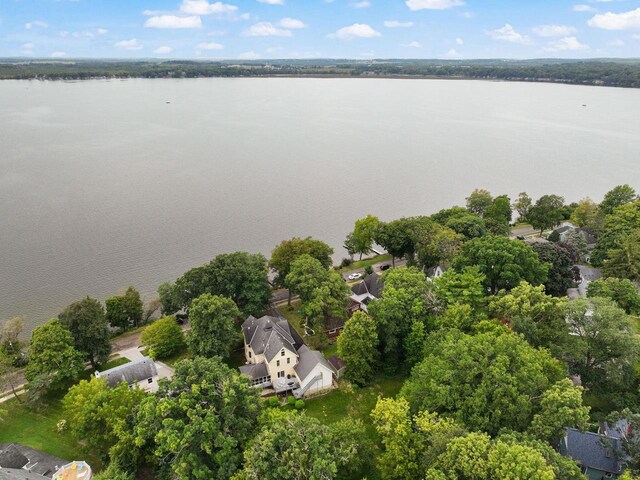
x,y
105,184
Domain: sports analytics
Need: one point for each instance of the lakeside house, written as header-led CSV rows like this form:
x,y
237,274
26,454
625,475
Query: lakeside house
x,y
278,360
436,272
19,462
143,374
365,291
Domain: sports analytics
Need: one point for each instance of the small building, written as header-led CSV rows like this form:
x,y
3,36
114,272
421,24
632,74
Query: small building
x,y
334,326
365,291
338,365
277,358
19,462
436,272
597,454
142,374
74,471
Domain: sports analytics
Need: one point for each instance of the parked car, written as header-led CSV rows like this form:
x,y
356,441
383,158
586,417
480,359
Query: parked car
x,y
355,276
384,267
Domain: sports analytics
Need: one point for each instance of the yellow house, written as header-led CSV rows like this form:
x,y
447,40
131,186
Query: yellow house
x,y
277,358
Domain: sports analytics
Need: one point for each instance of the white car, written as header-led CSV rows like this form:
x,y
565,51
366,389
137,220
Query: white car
x,y
355,276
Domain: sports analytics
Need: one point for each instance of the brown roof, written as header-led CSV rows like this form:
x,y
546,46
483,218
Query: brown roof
x,y
337,362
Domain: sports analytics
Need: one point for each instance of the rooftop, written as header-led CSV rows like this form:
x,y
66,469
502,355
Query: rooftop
x,y
130,373
74,471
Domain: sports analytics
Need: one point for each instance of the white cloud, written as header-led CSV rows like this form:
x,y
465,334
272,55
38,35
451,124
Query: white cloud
x,y
272,2
553,30
102,31
292,23
163,50
508,34
453,53
132,44
362,4
203,7
210,46
583,8
413,44
251,55
617,21
616,43
459,41
467,15
58,54
28,46
566,44
433,4
357,30
397,24
36,23
173,21
266,29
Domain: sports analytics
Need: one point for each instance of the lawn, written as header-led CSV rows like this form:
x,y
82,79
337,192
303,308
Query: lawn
x,y
113,363
365,263
318,341
37,429
356,404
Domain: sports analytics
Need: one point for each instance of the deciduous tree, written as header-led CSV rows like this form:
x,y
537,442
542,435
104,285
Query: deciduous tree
x,y
163,337
624,261
213,330
546,213
86,321
358,346
622,291
560,275
522,205
620,195
364,234
479,202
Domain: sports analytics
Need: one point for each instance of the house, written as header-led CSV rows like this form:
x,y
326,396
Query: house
x,y
19,462
338,365
596,453
436,272
365,291
142,373
334,326
277,358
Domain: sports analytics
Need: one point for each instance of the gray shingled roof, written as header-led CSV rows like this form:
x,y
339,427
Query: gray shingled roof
x,y
37,462
268,335
255,371
371,284
14,474
591,450
308,360
131,373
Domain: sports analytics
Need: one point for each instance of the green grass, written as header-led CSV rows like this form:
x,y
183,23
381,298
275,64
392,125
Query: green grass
x,y
356,404
365,263
37,429
181,354
113,363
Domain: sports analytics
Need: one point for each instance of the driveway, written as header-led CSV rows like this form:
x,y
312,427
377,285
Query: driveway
x,y
135,355
376,268
588,274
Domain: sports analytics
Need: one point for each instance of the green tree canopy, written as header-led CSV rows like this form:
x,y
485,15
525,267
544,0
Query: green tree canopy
x,y
364,234
547,212
466,287
199,423
479,202
164,337
624,261
522,205
585,214
124,311
52,356
86,321
622,291
213,329
503,262
486,382
618,226
293,446
560,275
358,346
620,195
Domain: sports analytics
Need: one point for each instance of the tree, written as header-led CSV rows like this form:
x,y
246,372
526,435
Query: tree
x,y
213,331
479,202
461,221
460,316
488,381
622,291
293,446
9,376
522,205
436,245
97,414
518,462
169,298
357,345
585,213
323,292
364,234
116,312
113,472
577,241
560,408
289,250
546,213
620,195
164,337
86,321
53,356
406,298
537,316
618,226
500,210
199,423
133,306
560,275
606,351
466,287
10,336
397,238
504,263
624,261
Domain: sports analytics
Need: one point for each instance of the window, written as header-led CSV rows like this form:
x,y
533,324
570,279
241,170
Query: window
x,y
249,353
150,380
333,331
277,363
288,360
282,353
281,374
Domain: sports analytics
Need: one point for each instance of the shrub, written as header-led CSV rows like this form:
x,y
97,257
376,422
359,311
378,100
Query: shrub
x,y
291,400
346,262
273,401
163,338
299,404
368,269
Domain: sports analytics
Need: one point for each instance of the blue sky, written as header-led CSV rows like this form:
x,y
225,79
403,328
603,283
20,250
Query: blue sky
x,y
320,28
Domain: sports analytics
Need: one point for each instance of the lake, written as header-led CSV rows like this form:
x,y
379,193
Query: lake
x,y
105,184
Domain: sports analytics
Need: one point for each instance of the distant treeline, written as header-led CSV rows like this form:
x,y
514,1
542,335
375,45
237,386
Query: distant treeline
x,y
613,73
